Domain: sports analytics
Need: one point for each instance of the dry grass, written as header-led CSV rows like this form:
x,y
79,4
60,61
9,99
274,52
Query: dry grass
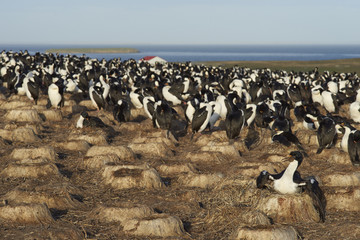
x,y
26,213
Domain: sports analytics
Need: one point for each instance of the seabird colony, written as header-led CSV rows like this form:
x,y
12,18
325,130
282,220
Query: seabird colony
x,y
241,97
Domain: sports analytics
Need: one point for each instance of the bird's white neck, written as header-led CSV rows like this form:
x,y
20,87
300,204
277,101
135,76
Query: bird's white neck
x,y
290,170
80,122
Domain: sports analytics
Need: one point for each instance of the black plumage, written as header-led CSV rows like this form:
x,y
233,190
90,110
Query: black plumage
x,y
263,116
299,112
287,139
319,201
92,121
34,90
281,122
294,93
116,91
163,116
354,147
305,91
252,137
97,94
326,133
234,122
122,111
200,119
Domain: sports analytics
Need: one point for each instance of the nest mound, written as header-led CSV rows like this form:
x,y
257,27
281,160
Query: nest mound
x,y
26,214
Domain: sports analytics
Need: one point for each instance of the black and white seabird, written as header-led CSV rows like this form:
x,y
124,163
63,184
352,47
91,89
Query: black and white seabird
x,y
344,129
330,102
172,95
287,138
294,93
354,147
215,115
299,111
354,111
85,120
316,95
56,94
31,87
122,111
234,123
326,133
190,108
136,98
163,116
263,115
96,96
149,106
249,114
201,118
289,181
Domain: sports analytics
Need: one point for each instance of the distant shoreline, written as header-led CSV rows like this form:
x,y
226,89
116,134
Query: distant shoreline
x,y
92,50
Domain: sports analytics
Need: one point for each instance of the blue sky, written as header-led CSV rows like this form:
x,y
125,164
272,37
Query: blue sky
x,y
180,22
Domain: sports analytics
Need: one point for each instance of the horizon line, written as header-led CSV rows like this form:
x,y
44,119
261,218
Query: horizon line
x,y
183,44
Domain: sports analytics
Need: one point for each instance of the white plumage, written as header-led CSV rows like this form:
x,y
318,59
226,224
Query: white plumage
x,y
169,96
286,185
54,95
316,95
328,101
215,114
354,110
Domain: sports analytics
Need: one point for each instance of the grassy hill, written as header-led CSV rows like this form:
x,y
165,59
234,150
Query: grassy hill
x,y
340,65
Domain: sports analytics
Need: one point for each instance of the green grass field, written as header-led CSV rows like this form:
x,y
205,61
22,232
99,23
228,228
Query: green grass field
x,y
92,50
340,65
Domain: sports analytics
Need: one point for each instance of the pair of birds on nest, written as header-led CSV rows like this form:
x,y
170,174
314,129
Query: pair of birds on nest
x,y
289,181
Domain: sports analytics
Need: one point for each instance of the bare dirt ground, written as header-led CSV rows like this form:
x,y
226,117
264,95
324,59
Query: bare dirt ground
x,y
131,182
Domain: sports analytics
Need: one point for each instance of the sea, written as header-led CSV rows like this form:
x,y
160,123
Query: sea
x,y
203,53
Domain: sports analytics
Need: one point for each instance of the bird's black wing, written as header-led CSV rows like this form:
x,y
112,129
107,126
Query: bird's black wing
x,y
319,201
96,122
174,91
154,118
34,90
252,137
174,112
116,110
199,117
234,123
150,107
262,179
297,178
177,88
277,176
127,111
326,134
163,115
281,139
98,98
292,138
335,101
248,112
299,113
353,149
